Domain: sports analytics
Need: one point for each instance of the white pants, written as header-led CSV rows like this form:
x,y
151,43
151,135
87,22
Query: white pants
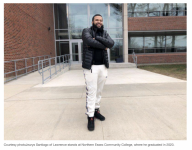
x,y
95,80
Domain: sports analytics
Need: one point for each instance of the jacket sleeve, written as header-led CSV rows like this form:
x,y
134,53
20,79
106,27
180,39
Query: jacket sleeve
x,y
108,42
88,39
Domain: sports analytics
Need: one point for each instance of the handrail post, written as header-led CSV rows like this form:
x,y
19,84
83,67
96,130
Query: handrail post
x,y
63,61
55,65
33,64
60,62
42,74
15,69
50,67
25,66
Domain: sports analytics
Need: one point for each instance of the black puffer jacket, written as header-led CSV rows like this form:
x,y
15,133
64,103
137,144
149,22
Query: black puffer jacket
x,y
90,44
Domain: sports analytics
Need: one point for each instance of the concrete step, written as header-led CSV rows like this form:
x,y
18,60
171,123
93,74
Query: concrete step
x,y
78,66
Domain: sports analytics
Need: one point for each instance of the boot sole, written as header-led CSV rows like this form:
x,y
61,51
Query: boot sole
x,y
100,119
90,129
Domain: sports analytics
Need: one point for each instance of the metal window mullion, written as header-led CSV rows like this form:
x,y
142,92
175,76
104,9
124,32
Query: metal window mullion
x,y
67,5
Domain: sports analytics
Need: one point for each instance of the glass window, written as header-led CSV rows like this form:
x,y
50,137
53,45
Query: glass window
x,y
134,7
61,34
75,34
62,47
169,41
117,50
181,8
115,19
61,20
101,9
136,42
160,9
78,15
160,41
157,6
116,33
149,42
154,13
180,41
176,41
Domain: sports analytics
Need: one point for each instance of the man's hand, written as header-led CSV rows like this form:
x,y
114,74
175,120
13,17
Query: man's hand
x,y
94,38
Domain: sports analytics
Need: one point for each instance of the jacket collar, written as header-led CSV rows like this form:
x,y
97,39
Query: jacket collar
x,y
93,32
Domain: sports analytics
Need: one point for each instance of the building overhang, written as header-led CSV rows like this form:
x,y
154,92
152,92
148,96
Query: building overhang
x,y
157,32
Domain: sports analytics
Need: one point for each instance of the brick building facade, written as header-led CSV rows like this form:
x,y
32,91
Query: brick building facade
x,y
155,32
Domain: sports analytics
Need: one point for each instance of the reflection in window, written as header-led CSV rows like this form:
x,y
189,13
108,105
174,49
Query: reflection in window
x,y
101,9
115,19
61,34
117,50
116,33
62,47
176,41
137,14
156,9
149,42
75,33
160,41
134,7
180,41
158,44
78,15
136,42
61,20
169,41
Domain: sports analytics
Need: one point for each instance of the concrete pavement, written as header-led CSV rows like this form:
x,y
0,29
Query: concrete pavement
x,y
137,104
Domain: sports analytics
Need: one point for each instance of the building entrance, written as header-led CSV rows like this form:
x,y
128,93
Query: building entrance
x,y
76,49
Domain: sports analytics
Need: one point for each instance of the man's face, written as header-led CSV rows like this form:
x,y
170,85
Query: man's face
x,y
98,21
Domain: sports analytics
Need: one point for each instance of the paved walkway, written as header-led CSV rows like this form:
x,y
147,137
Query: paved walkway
x,y
137,104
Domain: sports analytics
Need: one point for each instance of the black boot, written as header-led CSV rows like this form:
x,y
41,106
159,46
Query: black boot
x,y
91,124
98,115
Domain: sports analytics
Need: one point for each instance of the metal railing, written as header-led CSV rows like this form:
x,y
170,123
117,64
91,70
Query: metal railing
x,y
55,64
134,58
18,65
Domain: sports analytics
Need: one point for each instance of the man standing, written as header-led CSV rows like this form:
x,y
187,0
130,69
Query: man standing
x,y
96,40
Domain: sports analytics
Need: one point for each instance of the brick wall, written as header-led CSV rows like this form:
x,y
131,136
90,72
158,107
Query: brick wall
x,y
26,33
157,23
159,58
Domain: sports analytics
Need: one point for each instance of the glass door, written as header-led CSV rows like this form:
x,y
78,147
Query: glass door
x,y
76,48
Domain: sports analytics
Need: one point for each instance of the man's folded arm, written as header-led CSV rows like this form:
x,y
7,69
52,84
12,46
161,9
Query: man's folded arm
x,y
87,38
108,42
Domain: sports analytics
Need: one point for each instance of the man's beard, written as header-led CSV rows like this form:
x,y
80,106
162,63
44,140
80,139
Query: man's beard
x,y
98,29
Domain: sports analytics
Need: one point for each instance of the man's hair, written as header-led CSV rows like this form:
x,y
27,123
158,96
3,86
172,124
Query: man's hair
x,y
96,15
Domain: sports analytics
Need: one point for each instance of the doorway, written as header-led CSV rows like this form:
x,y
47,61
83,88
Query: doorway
x,y
76,49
